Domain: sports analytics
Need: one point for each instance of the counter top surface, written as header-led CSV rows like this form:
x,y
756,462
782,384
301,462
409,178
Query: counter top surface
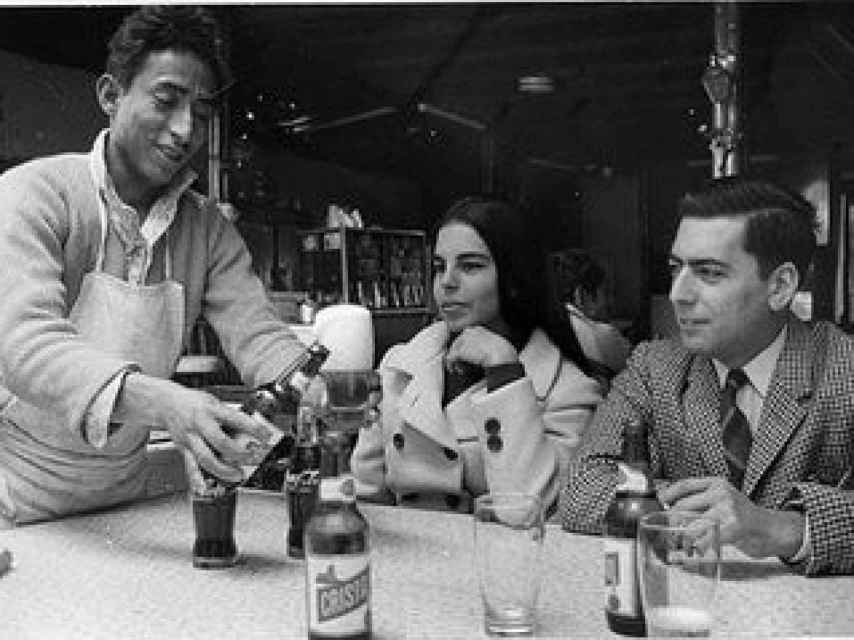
x,y
127,573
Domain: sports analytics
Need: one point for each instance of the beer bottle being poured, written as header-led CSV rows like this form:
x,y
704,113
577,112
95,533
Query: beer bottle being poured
x,y
281,396
635,497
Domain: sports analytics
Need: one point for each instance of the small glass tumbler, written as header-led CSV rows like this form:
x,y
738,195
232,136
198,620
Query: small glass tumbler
x,y
508,541
213,518
679,570
351,394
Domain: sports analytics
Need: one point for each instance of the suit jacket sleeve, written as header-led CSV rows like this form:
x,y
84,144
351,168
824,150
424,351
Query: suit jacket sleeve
x,y
831,520
537,436
593,475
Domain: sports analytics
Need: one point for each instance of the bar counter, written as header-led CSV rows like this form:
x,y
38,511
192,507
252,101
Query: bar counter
x,y
127,573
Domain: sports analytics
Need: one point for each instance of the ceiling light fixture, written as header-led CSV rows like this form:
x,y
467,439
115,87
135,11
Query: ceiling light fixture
x,y
537,83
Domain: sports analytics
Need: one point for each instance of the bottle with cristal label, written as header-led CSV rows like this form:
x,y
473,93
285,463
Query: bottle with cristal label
x,y
337,560
635,497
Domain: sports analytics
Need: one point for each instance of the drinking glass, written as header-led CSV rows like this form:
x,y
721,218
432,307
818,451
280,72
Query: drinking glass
x,y
679,570
508,542
213,520
351,399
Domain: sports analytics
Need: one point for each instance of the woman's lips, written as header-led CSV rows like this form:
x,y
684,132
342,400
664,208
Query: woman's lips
x,y
688,323
453,308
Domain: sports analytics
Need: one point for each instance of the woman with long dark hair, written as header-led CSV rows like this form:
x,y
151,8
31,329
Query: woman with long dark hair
x,y
494,395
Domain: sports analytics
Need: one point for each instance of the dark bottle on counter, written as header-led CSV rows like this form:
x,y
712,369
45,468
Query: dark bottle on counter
x,y
635,497
214,504
337,558
302,479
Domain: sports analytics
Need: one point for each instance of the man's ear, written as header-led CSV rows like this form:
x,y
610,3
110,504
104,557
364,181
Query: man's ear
x,y
109,92
782,286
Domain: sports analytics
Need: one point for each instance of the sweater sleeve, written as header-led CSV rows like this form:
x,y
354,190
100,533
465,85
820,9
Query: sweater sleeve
x,y
43,360
255,339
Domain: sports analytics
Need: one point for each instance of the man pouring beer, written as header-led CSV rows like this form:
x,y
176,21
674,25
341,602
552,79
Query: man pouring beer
x,y
109,258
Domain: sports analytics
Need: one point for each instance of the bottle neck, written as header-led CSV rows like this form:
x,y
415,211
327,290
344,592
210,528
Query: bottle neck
x,y
336,480
299,381
642,466
635,478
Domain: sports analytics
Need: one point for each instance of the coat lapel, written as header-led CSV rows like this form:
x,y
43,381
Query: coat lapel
x,y
542,360
785,405
420,400
421,361
700,404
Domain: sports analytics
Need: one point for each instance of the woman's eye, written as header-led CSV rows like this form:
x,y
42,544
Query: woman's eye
x,y
438,266
710,274
468,267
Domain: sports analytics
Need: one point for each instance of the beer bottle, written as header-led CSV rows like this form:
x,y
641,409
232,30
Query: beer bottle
x,y
302,478
337,562
282,395
279,397
635,497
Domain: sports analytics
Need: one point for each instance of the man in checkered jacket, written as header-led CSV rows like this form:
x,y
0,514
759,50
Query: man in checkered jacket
x,y
741,250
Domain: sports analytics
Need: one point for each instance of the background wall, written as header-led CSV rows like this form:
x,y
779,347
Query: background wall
x,y
45,108
611,229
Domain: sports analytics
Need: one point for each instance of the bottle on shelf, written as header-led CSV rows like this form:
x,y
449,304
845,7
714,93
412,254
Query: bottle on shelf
x,y
634,498
337,551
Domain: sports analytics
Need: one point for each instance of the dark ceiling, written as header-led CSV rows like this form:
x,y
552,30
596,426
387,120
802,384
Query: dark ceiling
x,y
627,78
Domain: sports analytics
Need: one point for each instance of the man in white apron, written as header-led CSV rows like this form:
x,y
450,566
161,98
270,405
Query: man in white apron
x,y
108,259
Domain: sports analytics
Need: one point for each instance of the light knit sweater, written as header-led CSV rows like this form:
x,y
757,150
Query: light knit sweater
x,y
49,239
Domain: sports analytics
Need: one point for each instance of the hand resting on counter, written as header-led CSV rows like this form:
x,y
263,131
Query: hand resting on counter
x,y
756,531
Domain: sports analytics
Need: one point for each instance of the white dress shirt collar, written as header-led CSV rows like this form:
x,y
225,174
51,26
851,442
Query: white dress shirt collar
x,y
138,240
761,368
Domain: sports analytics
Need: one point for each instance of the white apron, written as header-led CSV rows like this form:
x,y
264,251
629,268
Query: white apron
x,y
49,469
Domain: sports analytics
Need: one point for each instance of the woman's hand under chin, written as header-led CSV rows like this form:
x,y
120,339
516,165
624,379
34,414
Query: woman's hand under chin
x,y
479,346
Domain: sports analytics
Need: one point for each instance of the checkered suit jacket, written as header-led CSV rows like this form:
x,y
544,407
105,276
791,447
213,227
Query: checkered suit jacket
x,y
802,453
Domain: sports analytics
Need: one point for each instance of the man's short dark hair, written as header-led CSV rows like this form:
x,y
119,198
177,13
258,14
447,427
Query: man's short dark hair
x,y
780,223
154,28
583,273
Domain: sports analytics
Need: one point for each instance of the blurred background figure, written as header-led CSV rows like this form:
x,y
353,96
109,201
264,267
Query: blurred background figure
x,y
586,300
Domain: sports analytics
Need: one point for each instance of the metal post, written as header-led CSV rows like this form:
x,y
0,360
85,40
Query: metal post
x,y
722,80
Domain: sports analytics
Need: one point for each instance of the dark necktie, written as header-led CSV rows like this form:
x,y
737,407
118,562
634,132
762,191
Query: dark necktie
x,y
735,428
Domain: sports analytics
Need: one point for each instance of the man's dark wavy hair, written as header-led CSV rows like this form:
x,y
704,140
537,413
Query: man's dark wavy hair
x,y
152,28
524,295
780,223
